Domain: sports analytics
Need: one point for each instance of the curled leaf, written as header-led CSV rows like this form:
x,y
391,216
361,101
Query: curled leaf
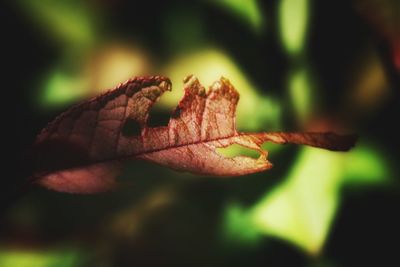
x,y
83,149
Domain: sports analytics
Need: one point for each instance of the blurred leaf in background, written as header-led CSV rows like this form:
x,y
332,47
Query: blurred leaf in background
x,y
247,11
302,208
32,258
69,23
293,20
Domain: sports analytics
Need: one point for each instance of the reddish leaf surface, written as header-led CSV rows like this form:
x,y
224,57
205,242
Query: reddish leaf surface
x,y
83,149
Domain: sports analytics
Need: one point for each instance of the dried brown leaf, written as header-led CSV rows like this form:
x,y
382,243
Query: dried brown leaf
x,y
83,149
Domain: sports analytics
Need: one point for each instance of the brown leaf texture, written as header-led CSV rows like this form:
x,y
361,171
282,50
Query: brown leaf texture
x,y
83,150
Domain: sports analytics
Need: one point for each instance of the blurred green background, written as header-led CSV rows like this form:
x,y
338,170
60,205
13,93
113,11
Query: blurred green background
x,y
299,65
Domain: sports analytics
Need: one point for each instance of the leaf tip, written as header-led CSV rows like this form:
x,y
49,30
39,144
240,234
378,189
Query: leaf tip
x,y
223,87
192,85
165,85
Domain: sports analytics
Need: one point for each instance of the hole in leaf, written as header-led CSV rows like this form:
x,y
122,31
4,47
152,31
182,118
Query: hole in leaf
x,y
158,116
238,150
131,128
271,147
